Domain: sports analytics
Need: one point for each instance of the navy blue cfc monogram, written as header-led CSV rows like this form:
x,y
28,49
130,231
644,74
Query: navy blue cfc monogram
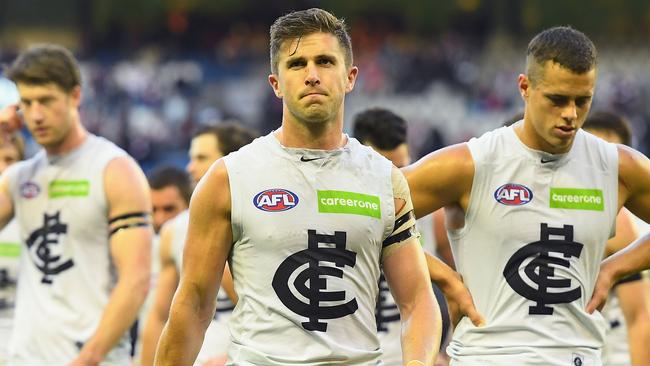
x,y
41,244
541,271
316,274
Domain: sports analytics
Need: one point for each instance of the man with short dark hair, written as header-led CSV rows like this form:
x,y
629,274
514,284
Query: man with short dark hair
x,y
385,132
170,193
83,208
530,208
306,218
210,143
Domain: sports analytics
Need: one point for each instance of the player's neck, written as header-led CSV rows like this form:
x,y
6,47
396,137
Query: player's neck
x,y
75,138
319,136
529,137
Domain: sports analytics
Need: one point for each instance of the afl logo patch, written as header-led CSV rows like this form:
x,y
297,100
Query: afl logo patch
x,y
30,190
513,194
276,199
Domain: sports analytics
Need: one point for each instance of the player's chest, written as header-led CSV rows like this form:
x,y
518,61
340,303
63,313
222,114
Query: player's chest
x,y
301,206
53,193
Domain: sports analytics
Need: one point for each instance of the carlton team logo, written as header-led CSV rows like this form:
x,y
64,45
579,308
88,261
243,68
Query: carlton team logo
x,y
29,190
274,200
513,194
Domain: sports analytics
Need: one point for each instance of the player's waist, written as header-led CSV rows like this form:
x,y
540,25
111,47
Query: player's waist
x,y
310,355
522,355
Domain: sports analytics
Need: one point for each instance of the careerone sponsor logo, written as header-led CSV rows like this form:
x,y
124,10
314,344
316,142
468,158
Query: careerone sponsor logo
x,y
577,199
349,203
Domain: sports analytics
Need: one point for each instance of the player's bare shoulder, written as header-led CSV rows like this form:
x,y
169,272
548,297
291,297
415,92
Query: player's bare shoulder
x,y
125,182
213,191
444,176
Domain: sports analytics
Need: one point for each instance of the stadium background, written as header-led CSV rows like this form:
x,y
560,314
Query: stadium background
x,y
154,70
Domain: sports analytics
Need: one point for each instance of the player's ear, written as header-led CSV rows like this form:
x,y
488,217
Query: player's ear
x,y
275,84
523,83
352,78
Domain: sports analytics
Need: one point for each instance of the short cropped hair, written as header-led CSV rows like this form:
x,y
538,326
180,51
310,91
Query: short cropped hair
x,y
170,176
44,64
305,22
380,128
231,136
611,122
568,47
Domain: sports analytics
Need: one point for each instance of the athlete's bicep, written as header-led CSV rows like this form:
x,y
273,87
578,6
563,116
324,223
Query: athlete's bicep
x,y
209,236
406,273
442,178
129,204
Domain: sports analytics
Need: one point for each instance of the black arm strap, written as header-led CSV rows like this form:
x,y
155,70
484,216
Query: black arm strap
x,y
397,238
127,226
130,215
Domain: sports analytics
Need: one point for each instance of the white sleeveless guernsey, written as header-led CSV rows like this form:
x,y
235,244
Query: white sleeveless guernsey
x,y
66,274
217,336
530,250
308,227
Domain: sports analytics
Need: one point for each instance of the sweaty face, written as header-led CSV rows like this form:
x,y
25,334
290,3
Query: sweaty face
x,y
167,203
47,111
312,78
204,150
556,107
8,155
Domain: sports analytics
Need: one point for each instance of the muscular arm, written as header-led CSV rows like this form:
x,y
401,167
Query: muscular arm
x,y
208,243
442,178
127,192
406,273
165,288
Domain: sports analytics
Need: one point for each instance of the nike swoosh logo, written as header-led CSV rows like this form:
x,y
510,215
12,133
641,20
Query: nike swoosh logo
x,y
544,161
302,158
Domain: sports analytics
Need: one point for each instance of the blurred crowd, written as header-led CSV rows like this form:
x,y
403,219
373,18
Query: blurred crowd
x,y
451,87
